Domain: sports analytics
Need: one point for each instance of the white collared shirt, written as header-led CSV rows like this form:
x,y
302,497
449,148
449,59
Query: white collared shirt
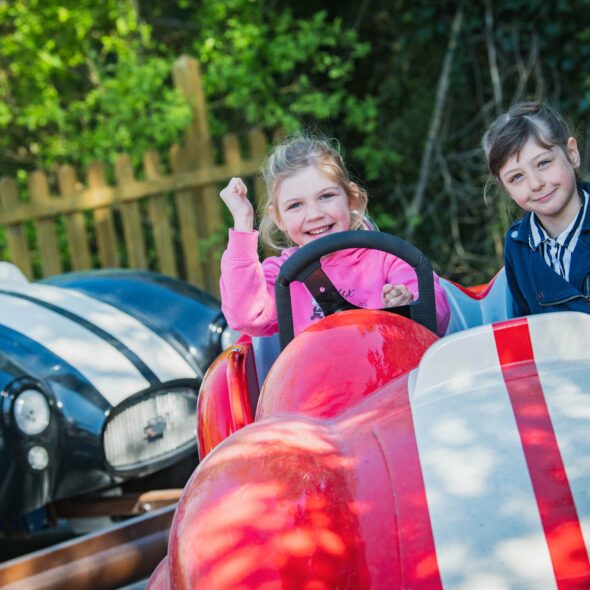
x,y
557,252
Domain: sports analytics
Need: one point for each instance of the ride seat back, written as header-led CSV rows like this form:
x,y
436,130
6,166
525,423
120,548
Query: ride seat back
x,y
266,350
469,309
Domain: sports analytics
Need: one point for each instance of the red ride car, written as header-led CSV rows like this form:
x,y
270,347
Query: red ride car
x,y
379,456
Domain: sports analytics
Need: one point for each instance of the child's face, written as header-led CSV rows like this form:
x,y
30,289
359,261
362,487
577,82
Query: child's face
x,y
310,204
543,181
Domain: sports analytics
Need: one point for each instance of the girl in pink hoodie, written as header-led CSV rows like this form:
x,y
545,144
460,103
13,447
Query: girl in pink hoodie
x,y
310,194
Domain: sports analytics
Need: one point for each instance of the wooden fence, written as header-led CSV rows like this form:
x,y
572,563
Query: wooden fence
x,y
165,221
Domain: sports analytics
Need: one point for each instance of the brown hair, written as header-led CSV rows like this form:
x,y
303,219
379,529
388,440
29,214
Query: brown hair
x,y
508,133
294,154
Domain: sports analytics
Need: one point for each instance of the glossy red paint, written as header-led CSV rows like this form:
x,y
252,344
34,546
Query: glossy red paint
x,y
380,345
326,489
569,555
228,391
302,498
340,361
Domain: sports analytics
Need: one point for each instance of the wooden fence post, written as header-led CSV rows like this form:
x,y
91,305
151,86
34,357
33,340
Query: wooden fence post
x,y
186,207
106,237
76,225
159,218
15,234
258,147
130,215
46,235
186,74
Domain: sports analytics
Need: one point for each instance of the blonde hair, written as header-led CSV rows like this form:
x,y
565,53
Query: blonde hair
x,y
293,155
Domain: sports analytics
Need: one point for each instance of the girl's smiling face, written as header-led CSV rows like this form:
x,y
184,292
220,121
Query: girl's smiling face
x,y
310,204
543,180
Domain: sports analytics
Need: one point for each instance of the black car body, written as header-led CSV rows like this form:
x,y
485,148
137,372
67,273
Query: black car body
x,y
99,376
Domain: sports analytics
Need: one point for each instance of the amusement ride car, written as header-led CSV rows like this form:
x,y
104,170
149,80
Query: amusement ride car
x,y
379,456
99,377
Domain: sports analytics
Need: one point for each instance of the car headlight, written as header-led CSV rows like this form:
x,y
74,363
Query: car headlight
x,y
38,458
31,412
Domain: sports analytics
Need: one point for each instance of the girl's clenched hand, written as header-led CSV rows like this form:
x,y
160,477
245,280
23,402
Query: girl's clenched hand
x,y
235,196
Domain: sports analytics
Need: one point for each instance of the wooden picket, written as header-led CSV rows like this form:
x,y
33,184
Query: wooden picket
x,y
76,226
165,221
15,233
106,237
159,218
187,220
198,155
130,214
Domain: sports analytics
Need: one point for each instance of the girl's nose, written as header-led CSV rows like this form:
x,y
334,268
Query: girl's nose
x,y
536,182
314,212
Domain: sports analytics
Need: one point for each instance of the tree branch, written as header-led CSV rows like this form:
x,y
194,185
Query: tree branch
x,y
435,122
492,57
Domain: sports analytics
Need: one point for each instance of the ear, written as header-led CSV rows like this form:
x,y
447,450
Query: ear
x,y
572,152
353,198
276,217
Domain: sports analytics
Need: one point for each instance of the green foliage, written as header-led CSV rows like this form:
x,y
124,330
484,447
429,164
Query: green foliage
x,y
273,69
134,110
86,80
78,81
542,52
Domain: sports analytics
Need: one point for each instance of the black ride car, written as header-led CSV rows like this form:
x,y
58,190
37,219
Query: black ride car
x,y
99,376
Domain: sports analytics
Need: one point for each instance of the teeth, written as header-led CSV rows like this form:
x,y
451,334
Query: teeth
x,y
321,230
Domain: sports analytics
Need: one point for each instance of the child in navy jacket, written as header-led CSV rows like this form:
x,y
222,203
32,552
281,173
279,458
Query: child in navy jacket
x,y
532,155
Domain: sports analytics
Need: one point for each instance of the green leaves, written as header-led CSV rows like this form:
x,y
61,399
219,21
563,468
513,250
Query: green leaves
x,y
81,82
86,80
274,69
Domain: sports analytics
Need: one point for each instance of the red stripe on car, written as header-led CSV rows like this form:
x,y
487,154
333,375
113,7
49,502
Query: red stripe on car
x,y
416,551
552,490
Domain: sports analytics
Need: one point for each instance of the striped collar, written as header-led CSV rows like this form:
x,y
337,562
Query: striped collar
x,y
567,238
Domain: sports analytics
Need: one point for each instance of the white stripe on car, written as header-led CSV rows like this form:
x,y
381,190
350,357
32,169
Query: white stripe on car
x,y
111,372
470,448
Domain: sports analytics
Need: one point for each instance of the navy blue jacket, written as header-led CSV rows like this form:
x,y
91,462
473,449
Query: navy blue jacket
x,y
537,288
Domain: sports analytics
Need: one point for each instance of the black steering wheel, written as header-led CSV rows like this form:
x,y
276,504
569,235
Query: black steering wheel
x,y
304,266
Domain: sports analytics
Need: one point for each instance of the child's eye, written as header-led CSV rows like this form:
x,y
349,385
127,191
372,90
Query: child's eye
x,y
326,195
515,177
293,205
543,163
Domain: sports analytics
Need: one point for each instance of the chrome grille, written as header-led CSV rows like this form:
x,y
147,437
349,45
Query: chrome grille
x,y
152,429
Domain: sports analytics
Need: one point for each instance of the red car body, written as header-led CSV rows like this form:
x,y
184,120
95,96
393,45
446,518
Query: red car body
x,y
381,457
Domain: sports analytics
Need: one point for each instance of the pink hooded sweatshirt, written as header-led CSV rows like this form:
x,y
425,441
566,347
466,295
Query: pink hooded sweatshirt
x,y
247,285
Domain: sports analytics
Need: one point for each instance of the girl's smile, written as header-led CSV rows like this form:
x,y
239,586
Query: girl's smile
x,y
543,180
545,198
310,204
319,231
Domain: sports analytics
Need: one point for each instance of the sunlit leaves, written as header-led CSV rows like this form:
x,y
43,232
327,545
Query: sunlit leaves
x,y
275,69
81,81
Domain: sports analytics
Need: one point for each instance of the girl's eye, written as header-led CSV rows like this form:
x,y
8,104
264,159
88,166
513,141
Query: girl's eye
x,y
543,163
294,205
326,195
516,177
